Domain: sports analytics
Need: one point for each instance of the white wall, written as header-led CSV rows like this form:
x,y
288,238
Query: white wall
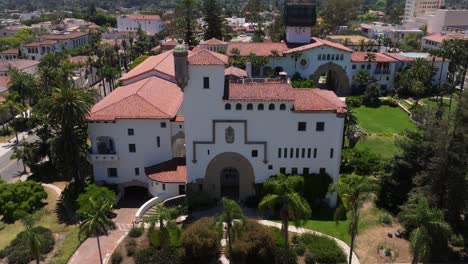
x,y
298,34
445,17
156,189
152,26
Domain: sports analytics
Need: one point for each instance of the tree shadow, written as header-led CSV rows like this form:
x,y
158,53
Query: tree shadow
x,y
64,215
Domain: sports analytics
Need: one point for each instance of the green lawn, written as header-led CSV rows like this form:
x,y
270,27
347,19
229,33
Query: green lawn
x,y
383,145
383,119
68,247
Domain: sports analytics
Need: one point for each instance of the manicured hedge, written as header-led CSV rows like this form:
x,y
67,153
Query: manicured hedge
x,y
321,249
150,255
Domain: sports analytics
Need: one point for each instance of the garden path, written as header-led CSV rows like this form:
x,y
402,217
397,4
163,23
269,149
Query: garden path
x,y
301,230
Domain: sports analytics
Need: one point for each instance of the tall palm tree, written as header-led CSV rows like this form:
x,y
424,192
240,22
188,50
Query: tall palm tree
x,y
354,133
349,120
370,57
418,89
163,214
231,211
96,222
423,223
67,117
353,190
33,239
292,206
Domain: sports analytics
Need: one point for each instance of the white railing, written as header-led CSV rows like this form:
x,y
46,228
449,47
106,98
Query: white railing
x,y
146,206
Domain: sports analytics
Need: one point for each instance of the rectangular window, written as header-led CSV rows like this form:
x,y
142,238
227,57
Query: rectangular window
x,y
163,124
131,148
112,172
291,153
206,82
294,171
322,171
137,171
301,126
254,153
285,152
354,66
315,153
158,141
283,170
279,153
305,171
303,153
164,187
270,167
131,132
308,153
331,153
320,126
297,153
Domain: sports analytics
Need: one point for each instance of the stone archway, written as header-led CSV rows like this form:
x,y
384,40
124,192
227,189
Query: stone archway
x,y
178,145
229,163
337,80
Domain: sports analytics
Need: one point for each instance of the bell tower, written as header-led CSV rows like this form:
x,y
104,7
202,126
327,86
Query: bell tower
x,y
299,18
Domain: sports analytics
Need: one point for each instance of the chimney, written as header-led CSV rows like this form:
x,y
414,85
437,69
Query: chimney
x,y
248,69
181,65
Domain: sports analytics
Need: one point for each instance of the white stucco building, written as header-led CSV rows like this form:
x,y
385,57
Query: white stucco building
x,y
151,24
415,8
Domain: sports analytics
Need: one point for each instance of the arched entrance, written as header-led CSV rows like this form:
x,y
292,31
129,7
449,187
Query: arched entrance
x,y
332,77
229,174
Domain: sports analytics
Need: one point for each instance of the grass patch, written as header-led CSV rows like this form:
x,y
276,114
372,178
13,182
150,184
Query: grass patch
x,y
383,119
384,146
68,247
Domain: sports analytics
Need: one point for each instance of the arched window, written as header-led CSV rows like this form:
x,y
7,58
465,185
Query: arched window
x,y
328,56
278,69
341,57
333,57
249,106
271,107
324,56
282,107
260,107
227,107
238,106
320,57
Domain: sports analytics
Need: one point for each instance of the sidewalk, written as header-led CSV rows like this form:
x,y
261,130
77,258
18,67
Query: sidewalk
x,y
7,146
300,230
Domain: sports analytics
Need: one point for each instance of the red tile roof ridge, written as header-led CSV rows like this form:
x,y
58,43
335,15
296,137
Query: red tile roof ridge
x,y
170,171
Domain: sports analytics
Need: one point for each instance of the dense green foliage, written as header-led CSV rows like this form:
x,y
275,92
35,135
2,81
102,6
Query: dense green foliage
x,y
22,36
135,232
137,61
149,255
200,240
371,94
18,251
253,243
98,194
212,15
321,249
361,162
19,198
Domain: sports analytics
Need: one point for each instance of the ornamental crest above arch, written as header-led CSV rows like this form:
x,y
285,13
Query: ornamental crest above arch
x,y
229,135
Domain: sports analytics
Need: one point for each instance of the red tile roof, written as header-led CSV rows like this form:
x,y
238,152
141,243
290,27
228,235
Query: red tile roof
x,y
235,71
143,17
179,118
262,49
82,59
439,38
318,43
401,56
171,171
4,80
40,43
379,57
19,64
150,98
303,99
10,51
213,42
200,56
162,63
71,35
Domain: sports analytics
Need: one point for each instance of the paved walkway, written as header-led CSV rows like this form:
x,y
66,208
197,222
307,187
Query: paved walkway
x,y
300,230
88,252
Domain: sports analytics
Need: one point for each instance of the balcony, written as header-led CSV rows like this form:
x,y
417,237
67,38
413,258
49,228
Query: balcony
x,y
109,156
105,150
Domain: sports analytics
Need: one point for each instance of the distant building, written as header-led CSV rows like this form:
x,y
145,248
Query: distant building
x,y
151,24
433,41
69,40
395,32
52,43
9,54
214,45
11,30
446,17
415,8
28,66
355,42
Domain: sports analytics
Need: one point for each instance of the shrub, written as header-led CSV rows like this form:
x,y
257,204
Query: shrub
x,y
323,249
116,258
353,101
300,249
197,199
302,84
19,198
362,162
390,101
309,259
153,236
386,219
316,187
371,95
279,239
100,195
137,61
456,240
281,257
131,247
18,252
136,232
254,243
200,240
150,255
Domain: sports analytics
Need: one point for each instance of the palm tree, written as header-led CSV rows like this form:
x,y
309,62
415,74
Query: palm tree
x,y
423,223
292,206
274,54
296,56
95,222
354,133
4,114
67,117
13,109
418,89
33,239
362,44
231,211
24,151
163,214
370,57
353,190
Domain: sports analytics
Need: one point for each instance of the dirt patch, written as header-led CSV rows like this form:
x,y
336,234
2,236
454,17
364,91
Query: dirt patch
x,y
368,242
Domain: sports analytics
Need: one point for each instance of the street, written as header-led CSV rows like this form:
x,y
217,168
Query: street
x,y
11,170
